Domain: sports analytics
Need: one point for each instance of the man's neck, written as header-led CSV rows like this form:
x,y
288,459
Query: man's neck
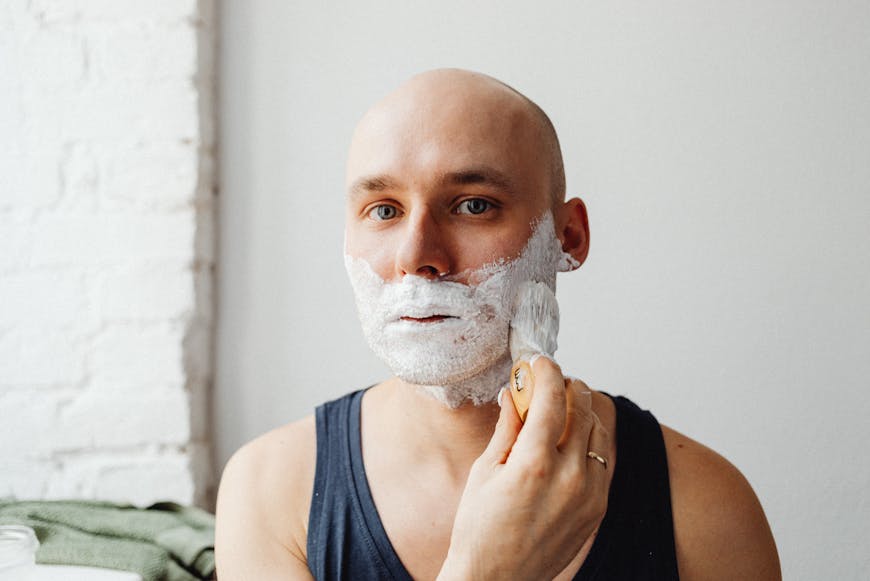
x,y
429,433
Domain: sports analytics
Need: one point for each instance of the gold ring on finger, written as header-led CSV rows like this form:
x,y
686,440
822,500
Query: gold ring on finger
x,y
598,457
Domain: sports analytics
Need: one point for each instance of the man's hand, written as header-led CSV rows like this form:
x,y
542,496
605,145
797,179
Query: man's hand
x,y
533,498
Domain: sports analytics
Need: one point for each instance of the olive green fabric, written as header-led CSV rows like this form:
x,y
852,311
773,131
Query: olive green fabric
x,y
164,542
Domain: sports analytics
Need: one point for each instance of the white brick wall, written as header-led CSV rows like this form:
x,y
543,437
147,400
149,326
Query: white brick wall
x,y
106,248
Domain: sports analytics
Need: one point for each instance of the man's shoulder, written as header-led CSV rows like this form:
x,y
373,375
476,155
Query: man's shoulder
x,y
271,478
720,528
281,453
282,461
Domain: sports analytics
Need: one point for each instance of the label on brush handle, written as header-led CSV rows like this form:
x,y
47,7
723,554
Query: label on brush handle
x,y
522,383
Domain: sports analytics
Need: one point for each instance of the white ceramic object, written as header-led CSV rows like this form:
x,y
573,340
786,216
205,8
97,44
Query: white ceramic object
x,y
65,573
18,545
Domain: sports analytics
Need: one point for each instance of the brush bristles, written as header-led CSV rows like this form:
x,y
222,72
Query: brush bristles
x,y
535,325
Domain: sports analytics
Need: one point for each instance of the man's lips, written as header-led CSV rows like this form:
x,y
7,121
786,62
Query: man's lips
x,y
430,319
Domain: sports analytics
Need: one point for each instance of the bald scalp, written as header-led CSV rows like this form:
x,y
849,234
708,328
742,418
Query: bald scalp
x,y
473,84
551,144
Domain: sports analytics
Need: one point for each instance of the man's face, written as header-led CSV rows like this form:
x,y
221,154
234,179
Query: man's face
x,y
443,179
448,211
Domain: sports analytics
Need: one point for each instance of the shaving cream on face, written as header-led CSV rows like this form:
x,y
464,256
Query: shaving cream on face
x,y
465,356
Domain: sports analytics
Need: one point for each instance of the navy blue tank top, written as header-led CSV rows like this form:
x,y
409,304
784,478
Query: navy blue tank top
x,y
346,539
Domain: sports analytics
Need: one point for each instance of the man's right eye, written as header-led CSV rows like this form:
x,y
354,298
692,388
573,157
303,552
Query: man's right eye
x,y
383,212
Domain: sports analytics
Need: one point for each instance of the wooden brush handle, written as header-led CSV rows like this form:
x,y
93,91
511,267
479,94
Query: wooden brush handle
x,y
522,383
522,386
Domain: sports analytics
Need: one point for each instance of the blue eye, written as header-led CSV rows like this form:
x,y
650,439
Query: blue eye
x,y
474,206
383,212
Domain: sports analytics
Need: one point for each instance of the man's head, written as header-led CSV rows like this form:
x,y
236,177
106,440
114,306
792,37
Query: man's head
x,y
476,95
449,175
457,133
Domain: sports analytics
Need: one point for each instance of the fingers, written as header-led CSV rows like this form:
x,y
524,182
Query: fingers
x,y
599,443
578,420
584,433
506,430
598,475
545,421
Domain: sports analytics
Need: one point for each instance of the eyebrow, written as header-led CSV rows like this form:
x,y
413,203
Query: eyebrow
x,y
482,175
378,183
479,175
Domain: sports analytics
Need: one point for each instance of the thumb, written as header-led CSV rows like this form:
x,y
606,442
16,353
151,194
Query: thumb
x,y
506,430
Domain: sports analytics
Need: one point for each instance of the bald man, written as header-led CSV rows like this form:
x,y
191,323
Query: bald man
x,y
455,197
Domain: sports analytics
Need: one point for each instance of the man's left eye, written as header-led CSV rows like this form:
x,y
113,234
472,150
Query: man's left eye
x,y
473,206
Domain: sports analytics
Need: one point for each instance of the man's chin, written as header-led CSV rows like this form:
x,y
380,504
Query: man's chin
x,y
416,378
480,388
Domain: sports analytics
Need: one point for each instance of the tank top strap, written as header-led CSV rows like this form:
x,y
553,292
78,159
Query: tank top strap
x,y
636,537
345,537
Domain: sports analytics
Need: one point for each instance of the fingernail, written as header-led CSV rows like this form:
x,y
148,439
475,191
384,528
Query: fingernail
x,y
500,395
537,356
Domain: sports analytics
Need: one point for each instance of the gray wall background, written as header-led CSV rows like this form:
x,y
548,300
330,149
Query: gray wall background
x,y
722,150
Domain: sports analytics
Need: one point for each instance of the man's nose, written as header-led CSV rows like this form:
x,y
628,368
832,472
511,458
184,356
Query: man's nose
x,y
422,249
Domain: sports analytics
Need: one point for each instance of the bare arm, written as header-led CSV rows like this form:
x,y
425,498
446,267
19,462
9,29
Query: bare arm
x,y
260,525
720,528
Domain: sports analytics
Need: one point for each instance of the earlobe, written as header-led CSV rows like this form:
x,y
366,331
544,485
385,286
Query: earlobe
x,y
574,232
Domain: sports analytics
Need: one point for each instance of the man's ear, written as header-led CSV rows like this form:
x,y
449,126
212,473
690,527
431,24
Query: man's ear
x,y
572,224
